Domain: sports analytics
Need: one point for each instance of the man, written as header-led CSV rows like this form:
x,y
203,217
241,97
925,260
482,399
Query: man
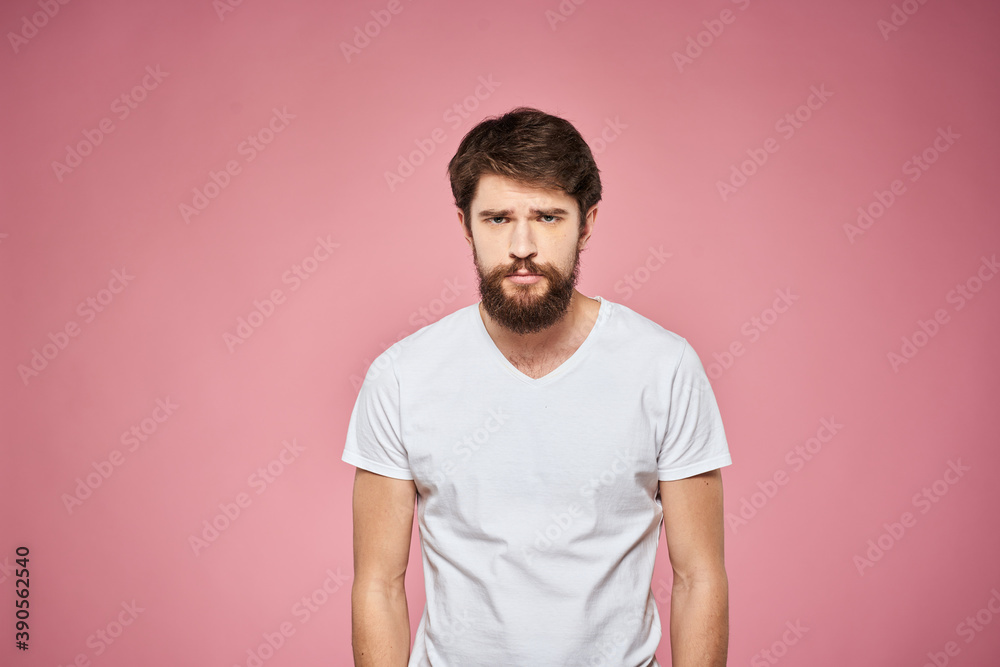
x,y
544,435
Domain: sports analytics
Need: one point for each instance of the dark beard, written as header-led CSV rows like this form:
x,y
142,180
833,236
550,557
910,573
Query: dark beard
x,y
526,311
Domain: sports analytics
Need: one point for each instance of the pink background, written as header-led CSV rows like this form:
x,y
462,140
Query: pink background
x,y
672,131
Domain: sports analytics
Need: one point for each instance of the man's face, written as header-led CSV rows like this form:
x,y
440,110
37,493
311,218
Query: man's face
x,y
526,244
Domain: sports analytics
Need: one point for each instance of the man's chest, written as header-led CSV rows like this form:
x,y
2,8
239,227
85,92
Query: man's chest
x,y
587,446
538,366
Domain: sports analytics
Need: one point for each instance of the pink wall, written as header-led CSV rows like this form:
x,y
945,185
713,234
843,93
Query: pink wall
x,y
177,226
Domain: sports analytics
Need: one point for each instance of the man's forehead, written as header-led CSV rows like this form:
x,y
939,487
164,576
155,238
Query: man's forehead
x,y
494,188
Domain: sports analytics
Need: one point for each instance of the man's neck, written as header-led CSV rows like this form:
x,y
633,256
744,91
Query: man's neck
x,y
567,333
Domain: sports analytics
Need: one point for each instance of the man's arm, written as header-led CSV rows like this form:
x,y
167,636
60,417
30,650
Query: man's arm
x,y
383,521
699,606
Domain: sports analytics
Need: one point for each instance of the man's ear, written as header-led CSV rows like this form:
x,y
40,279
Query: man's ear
x,y
588,227
465,230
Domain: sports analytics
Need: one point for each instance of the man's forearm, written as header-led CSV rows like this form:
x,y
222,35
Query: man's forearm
x,y
699,622
380,625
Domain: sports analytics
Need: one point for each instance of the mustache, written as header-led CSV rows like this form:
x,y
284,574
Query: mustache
x,y
525,265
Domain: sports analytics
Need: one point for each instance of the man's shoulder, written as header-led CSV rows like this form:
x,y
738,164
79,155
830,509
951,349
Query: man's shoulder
x,y
449,333
453,325
639,330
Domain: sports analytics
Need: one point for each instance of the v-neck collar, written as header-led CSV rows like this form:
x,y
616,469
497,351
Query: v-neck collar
x,y
572,361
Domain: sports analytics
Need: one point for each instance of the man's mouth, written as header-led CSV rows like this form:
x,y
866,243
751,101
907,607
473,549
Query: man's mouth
x,y
524,278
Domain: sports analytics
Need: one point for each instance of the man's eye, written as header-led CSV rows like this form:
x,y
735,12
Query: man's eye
x,y
549,216
496,218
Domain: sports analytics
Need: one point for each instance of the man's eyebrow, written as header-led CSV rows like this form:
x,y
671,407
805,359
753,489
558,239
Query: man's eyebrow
x,y
506,213
493,213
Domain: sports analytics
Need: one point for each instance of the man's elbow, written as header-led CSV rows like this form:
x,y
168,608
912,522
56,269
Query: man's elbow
x,y
371,586
706,575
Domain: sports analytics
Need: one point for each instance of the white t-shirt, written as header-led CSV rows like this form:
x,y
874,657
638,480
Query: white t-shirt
x,y
538,499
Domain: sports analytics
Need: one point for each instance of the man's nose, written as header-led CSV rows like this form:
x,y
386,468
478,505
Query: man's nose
x,y
522,240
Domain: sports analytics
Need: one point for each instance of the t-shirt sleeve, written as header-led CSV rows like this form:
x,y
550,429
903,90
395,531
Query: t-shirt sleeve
x,y
694,440
374,440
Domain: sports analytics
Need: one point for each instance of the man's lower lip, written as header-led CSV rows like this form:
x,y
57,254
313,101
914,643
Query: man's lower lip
x,y
525,280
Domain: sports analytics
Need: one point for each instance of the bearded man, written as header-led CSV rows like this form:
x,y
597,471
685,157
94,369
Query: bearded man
x,y
544,436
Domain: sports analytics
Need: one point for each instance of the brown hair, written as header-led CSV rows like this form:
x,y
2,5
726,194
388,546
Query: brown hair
x,y
528,146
